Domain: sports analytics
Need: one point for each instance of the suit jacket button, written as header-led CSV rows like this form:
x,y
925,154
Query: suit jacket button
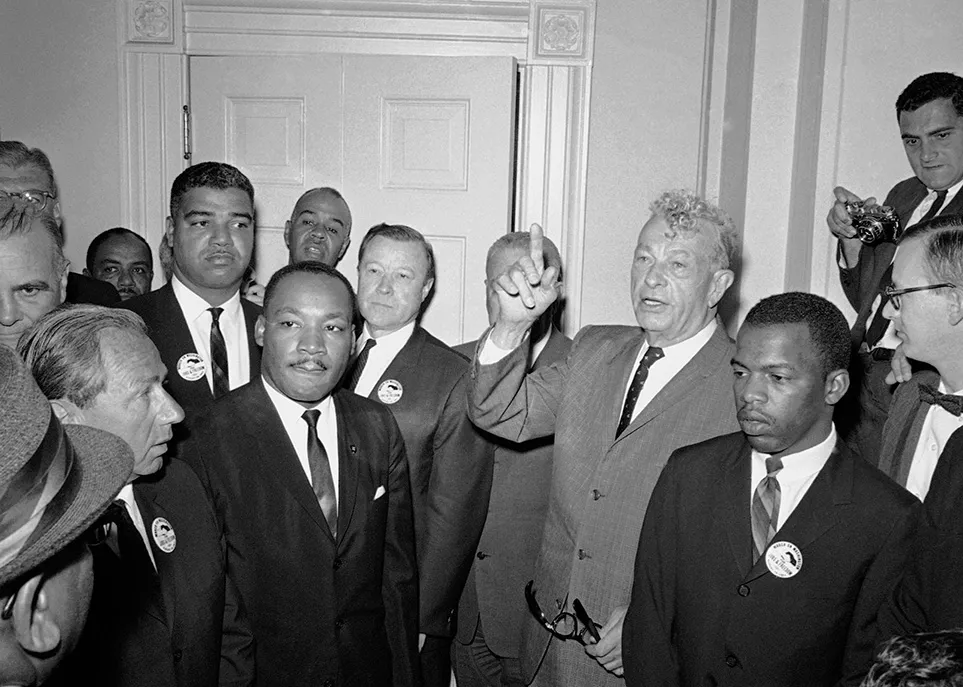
x,y
732,661
177,655
583,554
338,562
743,590
596,494
481,555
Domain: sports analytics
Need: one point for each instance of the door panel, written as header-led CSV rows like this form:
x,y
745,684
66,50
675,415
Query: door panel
x,y
427,142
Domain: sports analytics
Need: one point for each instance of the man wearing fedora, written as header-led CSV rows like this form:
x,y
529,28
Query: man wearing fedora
x,y
164,613
54,484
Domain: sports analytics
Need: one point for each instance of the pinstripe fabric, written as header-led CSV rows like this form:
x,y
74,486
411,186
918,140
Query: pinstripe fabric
x,y
600,485
903,426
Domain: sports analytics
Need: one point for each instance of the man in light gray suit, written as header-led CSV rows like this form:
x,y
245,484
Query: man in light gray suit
x,y
623,400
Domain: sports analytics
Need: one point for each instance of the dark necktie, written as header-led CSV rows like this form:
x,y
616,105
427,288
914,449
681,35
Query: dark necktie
x,y
358,366
222,384
765,508
133,552
948,402
880,324
641,374
321,478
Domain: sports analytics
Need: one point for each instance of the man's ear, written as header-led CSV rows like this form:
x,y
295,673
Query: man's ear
x,y
721,281
259,330
426,289
954,309
63,280
35,625
57,212
67,412
287,234
837,384
169,232
344,247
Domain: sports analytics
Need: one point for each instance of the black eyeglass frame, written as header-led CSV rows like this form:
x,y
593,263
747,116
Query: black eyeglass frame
x,y
579,617
893,294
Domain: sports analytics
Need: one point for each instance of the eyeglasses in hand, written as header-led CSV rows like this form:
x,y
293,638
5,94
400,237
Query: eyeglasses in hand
x,y
565,625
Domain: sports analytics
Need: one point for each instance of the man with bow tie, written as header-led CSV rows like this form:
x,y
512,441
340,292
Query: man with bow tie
x,y
921,447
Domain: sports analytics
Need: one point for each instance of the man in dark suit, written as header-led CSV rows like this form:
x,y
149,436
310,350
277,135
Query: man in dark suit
x,y
492,610
163,613
623,400
921,447
123,259
311,488
930,116
422,382
202,327
27,174
766,553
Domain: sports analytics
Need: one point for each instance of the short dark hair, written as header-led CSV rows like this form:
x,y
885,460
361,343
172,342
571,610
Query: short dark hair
x,y
932,659
219,175
105,236
16,154
942,239
308,267
399,232
929,87
827,326
17,218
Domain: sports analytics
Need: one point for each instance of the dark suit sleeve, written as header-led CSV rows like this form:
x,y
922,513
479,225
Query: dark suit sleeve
x,y
399,587
458,491
881,577
504,400
649,659
853,279
237,642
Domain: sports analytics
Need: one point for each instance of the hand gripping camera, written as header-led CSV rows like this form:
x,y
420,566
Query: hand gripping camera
x,y
874,223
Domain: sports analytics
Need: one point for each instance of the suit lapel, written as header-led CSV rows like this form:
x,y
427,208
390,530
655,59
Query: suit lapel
x,y
734,502
276,456
348,465
703,363
174,341
907,415
251,312
405,358
817,512
151,508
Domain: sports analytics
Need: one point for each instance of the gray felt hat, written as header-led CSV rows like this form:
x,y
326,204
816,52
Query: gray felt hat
x,y
55,481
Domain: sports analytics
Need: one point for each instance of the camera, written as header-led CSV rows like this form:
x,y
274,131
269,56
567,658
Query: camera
x,y
874,223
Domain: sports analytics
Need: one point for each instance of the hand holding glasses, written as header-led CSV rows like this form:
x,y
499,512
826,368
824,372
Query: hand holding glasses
x,y
565,625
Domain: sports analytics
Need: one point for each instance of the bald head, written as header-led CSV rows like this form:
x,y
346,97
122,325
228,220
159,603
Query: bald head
x,y
319,229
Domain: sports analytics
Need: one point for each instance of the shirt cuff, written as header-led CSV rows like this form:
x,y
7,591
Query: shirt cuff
x,y
490,353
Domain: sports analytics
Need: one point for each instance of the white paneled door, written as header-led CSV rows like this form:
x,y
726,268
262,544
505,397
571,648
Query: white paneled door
x,y
423,141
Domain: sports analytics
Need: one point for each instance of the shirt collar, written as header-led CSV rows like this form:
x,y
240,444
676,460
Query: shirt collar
x,y
193,306
388,344
950,192
692,345
288,409
799,465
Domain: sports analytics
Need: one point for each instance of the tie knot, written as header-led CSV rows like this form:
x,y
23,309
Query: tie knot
x,y
215,314
651,355
941,196
311,417
368,345
773,465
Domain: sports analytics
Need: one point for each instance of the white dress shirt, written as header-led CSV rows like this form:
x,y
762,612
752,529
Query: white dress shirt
x,y
381,356
290,413
937,428
127,496
797,474
889,338
233,329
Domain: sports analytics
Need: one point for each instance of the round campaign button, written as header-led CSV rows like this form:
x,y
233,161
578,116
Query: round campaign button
x,y
191,366
164,535
390,391
783,559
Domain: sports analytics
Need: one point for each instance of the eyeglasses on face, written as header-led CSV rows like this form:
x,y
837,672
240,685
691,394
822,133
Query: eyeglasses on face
x,y
35,199
565,625
893,294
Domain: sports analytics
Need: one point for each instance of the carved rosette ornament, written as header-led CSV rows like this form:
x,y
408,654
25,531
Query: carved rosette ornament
x,y
561,32
150,21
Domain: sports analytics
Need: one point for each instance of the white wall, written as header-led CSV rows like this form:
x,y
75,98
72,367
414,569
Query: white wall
x,y
59,79
643,134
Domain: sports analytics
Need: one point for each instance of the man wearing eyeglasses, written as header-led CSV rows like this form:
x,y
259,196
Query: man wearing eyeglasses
x,y
922,448
27,176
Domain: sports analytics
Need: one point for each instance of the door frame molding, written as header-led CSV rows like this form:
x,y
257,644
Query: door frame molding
x,y
551,40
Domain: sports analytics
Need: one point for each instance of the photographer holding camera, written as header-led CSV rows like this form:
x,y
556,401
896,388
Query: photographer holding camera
x,y
930,116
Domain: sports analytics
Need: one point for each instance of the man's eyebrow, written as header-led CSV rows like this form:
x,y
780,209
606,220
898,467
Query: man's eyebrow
x,y
198,213
312,212
245,215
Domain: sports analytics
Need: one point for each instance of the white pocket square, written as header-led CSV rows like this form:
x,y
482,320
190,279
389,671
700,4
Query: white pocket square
x,y
379,492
